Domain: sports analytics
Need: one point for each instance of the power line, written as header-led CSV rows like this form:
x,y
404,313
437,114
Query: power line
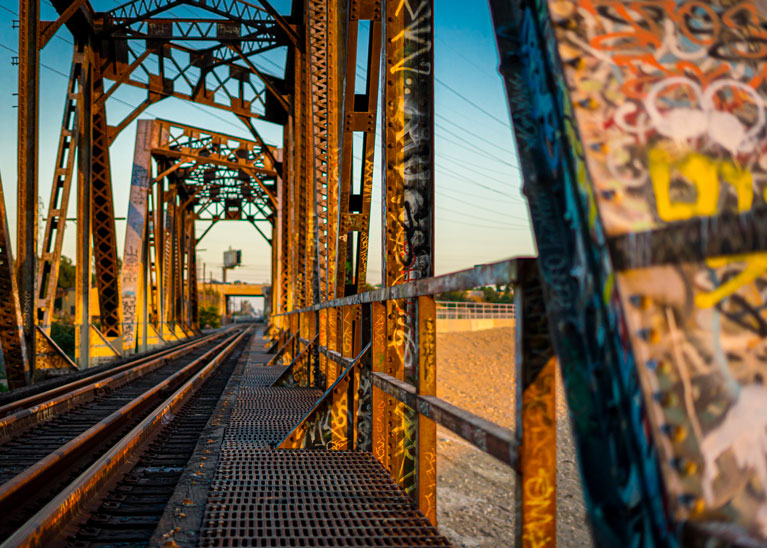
x,y
463,213
476,183
476,135
494,227
484,209
475,147
472,103
475,167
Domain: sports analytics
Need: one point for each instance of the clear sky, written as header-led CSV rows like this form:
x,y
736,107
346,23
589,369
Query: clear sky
x,y
480,213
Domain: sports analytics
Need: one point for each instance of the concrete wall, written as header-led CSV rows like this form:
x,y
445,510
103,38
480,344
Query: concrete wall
x,y
450,326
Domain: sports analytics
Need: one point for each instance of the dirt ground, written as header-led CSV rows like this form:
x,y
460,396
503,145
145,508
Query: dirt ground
x,y
475,492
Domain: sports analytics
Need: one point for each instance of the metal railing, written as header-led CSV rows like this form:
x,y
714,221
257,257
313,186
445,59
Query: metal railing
x,y
374,355
450,310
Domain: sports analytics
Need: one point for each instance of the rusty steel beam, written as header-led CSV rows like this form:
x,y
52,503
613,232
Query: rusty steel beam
x,y
359,116
133,282
502,272
426,385
84,208
14,367
28,140
408,203
322,59
103,221
536,367
55,225
494,440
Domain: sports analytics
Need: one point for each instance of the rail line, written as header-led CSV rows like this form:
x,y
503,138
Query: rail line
x,y
36,464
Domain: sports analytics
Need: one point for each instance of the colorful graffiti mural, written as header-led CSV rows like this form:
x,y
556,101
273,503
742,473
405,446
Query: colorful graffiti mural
x,y
648,118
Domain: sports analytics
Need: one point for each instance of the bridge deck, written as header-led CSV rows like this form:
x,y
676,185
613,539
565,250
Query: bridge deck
x,y
261,496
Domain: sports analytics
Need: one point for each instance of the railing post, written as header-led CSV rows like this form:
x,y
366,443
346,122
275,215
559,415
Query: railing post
x,y
426,385
381,402
363,435
536,406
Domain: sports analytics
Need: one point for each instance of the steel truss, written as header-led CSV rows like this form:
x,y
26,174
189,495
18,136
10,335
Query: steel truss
x,y
145,45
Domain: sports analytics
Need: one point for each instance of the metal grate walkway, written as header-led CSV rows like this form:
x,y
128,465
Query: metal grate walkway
x,y
262,496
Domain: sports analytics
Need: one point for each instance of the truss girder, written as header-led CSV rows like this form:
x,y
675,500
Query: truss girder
x,y
103,223
55,224
359,116
322,36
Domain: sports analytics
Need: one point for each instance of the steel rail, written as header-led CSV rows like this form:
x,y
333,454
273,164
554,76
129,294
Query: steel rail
x,y
27,483
41,407
42,529
34,399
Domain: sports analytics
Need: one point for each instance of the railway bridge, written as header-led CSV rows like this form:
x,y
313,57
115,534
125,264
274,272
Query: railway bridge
x,y
640,133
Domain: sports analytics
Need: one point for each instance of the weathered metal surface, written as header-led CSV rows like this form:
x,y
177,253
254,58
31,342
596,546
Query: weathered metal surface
x,y
83,257
426,385
13,349
358,116
348,489
49,354
502,272
27,165
499,442
275,359
103,217
55,224
536,387
298,373
332,421
42,529
133,270
638,119
322,58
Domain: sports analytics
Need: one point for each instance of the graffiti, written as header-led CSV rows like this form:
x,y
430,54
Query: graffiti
x,y
403,428
538,462
134,232
682,93
364,430
582,303
650,114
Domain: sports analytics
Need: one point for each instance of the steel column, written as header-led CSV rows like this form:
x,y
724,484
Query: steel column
x,y
26,225
359,115
103,218
537,420
408,203
133,279
14,371
84,208
55,225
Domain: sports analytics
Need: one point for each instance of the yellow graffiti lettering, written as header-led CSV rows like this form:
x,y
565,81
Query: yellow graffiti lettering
x,y
756,265
702,172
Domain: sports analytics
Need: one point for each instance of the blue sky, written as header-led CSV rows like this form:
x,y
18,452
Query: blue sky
x,y
480,213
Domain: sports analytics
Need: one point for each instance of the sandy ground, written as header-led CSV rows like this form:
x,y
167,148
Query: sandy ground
x,y
475,492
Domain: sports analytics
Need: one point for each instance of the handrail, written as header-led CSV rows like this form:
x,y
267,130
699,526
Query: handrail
x,y
502,272
494,440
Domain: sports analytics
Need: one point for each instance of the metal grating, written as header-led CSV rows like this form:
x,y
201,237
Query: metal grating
x,y
284,497
262,496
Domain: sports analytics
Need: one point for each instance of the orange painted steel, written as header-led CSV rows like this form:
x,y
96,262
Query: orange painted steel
x,y
25,484
538,460
45,526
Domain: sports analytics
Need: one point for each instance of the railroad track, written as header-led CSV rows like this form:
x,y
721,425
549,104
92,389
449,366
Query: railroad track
x,y
86,433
